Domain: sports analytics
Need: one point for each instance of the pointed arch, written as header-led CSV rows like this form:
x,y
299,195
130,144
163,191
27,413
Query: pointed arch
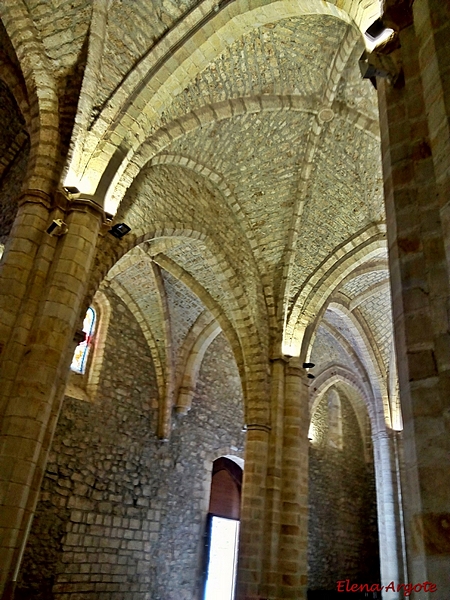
x,y
194,349
326,279
42,95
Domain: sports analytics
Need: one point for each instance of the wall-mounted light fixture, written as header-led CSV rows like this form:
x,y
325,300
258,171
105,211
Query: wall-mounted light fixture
x,y
57,228
377,33
119,230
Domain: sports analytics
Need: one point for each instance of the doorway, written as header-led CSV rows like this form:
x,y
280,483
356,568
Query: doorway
x,y
222,530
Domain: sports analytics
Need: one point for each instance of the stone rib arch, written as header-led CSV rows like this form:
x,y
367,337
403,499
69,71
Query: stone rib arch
x,y
348,348
195,347
218,181
370,355
311,329
369,292
326,279
249,359
240,309
306,172
97,36
153,347
166,194
16,84
215,178
137,159
179,57
338,374
121,178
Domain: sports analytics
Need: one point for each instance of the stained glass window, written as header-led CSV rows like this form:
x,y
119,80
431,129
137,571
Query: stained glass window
x,y
81,353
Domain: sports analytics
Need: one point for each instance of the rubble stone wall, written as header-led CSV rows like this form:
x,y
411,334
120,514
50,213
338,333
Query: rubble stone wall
x,y
121,513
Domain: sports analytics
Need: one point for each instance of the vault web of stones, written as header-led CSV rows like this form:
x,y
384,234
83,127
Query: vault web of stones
x,y
256,156
347,351
278,58
336,363
337,319
134,26
356,92
139,282
327,351
354,328
156,90
63,27
369,294
175,194
357,285
340,200
378,314
170,193
184,309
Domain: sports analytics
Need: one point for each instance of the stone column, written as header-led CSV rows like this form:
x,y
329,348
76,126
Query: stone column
x,y
24,267
420,290
292,565
387,508
251,539
274,479
39,366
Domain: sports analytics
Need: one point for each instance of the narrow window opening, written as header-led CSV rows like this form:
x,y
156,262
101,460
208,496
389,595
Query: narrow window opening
x,y
81,353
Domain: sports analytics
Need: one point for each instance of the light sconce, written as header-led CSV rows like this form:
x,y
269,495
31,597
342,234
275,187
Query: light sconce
x,y
119,230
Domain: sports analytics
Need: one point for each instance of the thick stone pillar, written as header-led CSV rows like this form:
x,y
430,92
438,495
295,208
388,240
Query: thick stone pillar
x,y
24,268
420,290
251,539
36,361
292,565
274,480
274,514
432,31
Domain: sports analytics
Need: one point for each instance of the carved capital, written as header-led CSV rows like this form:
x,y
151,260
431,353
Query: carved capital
x,y
35,197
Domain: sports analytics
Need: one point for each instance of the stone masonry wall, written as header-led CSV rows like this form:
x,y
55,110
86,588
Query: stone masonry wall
x,y
122,514
342,533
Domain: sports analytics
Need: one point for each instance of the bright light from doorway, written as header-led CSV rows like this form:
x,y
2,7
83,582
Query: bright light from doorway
x,y
221,578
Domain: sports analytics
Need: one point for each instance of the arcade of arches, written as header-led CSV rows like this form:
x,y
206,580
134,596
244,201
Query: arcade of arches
x,y
283,211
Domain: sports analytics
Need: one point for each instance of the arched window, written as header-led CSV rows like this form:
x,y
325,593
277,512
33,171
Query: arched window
x,y
81,353
87,360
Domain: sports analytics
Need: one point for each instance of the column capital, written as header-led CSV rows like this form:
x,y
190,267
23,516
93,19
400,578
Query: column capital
x,y
86,204
34,196
282,358
258,427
